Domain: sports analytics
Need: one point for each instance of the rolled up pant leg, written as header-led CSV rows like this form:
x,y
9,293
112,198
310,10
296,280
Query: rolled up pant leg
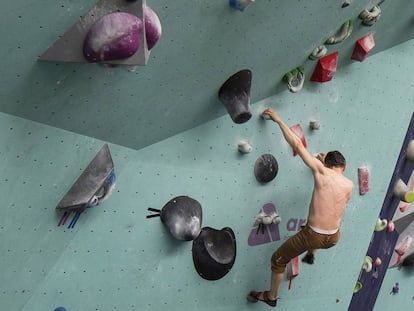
x,y
304,240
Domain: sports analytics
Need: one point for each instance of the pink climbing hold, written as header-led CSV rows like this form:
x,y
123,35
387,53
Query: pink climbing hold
x,y
297,129
403,247
363,180
292,270
404,207
390,226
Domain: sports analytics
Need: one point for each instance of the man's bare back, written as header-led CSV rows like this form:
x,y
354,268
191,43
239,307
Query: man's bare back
x,y
332,190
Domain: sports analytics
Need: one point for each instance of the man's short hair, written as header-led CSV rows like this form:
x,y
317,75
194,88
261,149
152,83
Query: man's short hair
x,y
335,159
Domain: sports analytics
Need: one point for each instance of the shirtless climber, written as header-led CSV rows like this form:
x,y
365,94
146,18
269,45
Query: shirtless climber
x,y
332,190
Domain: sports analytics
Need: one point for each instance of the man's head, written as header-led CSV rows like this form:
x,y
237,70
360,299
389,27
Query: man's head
x,y
335,159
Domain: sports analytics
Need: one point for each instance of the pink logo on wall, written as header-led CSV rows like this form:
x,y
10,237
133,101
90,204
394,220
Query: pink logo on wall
x,y
264,234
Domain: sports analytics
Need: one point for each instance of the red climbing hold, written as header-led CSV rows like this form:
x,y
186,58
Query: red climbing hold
x,y
363,47
326,68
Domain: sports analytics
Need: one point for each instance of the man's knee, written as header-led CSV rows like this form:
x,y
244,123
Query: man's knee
x,y
278,263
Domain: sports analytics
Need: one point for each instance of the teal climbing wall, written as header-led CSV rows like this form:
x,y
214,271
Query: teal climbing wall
x,y
170,136
116,259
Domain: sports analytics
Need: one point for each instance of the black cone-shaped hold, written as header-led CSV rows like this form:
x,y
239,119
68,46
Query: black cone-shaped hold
x,y
183,216
214,252
235,96
266,168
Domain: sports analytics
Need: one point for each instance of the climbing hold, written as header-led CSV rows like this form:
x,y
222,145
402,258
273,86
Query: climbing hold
x,y
292,270
377,262
404,207
69,46
153,28
342,33
380,225
264,219
395,289
93,186
295,79
402,192
325,68
314,125
357,287
240,4
363,180
234,94
114,36
268,219
214,252
60,309
265,116
363,47
367,264
182,215
297,129
345,3
370,17
271,234
244,147
390,226
403,246
410,151
318,52
266,168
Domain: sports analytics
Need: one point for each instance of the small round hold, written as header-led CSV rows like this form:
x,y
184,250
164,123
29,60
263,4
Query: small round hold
x,y
266,168
367,264
314,124
244,147
380,225
390,226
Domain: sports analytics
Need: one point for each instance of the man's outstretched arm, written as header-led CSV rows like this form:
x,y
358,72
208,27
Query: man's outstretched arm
x,y
294,141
